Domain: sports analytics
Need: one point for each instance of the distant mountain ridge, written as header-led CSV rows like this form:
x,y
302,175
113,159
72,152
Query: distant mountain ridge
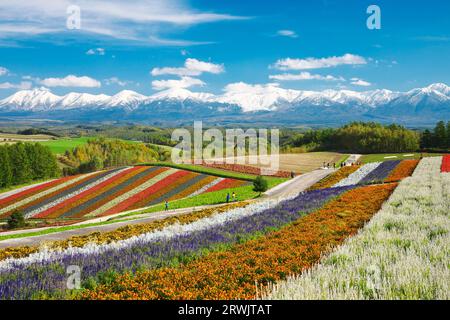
x,y
420,105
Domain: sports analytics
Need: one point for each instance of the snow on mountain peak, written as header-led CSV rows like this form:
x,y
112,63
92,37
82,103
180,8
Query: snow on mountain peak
x,y
248,97
181,94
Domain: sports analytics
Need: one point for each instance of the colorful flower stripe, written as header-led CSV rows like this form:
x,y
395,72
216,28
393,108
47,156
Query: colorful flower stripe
x,y
445,166
334,178
246,169
141,175
160,188
403,170
380,173
206,187
85,179
113,203
63,196
23,193
197,185
232,274
36,197
224,184
358,175
24,276
82,195
174,193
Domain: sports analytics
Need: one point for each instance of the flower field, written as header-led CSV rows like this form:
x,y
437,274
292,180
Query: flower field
x,y
242,168
334,178
210,254
108,192
373,172
402,253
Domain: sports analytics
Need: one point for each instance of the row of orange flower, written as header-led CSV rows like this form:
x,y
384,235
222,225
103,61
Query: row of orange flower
x,y
403,170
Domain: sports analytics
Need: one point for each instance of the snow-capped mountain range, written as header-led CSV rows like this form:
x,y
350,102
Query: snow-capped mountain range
x,y
250,100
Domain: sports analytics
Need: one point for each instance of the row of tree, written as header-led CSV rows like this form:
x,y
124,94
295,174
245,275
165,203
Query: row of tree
x,y
24,162
358,137
438,138
103,153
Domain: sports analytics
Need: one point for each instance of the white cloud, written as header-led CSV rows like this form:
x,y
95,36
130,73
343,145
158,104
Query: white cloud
x,y
24,85
3,71
184,82
304,76
96,51
192,67
360,82
116,80
319,63
136,20
287,33
71,81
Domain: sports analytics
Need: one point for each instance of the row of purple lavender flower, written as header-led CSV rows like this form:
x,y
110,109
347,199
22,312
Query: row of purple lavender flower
x,y
380,173
25,281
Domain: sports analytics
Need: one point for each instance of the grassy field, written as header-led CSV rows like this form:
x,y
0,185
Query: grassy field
x,y
61,145
395,156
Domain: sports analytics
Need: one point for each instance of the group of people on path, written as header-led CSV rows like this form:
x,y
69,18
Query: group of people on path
x,y
343,164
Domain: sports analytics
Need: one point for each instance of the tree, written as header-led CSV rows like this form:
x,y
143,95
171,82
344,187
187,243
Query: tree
x,y
427,139
440,135
21,169
16,220
448,134
260,184
5,168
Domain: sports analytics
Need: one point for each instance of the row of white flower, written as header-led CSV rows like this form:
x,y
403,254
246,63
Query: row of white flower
x,y
358,175
74,194
206,187
402,253
44,193
24,188
131,193
160,235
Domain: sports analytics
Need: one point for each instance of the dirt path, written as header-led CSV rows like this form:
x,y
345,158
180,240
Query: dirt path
x,y
290,187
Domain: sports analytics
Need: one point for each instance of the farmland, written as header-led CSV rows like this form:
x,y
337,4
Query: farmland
x,y
11,138
306,162
110,191
212,253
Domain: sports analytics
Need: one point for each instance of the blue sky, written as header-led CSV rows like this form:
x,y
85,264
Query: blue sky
x,y
225,42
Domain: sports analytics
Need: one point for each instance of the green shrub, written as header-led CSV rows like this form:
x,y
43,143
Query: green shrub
x,y
16,220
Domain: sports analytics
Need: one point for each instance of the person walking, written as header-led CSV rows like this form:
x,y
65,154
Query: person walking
x,y
228,197
233,196
166,205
